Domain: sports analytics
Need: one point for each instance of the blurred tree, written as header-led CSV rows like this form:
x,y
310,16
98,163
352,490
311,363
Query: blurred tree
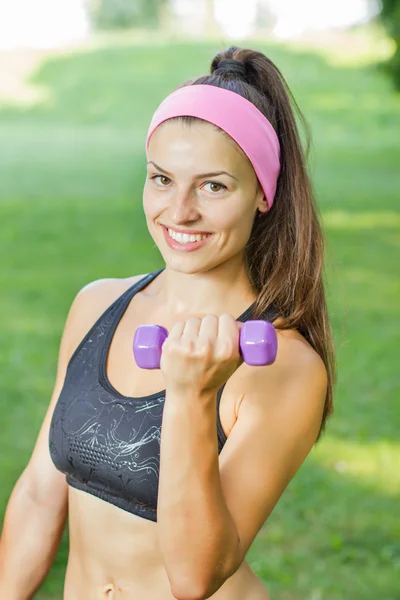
x,y
390,15
266,18
123,14
211,26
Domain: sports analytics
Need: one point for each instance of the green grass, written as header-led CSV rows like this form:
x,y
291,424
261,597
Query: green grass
x,y
72,168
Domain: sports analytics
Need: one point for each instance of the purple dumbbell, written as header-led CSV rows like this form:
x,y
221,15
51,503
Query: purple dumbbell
x,y
258,344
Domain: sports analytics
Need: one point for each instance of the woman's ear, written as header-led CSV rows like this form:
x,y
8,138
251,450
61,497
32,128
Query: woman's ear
x,y
262,204
262,207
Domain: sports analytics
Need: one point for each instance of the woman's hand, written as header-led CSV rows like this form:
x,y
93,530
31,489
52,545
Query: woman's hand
x,y
201,354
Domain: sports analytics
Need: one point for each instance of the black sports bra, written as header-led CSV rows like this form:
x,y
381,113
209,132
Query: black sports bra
x,y
108,444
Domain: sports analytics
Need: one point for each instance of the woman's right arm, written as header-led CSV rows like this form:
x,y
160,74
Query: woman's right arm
x,y
38,505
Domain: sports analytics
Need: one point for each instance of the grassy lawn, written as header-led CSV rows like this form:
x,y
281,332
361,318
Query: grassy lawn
x,y
72,168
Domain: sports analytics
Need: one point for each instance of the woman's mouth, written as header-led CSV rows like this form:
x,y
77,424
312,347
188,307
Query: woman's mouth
x,y
185,242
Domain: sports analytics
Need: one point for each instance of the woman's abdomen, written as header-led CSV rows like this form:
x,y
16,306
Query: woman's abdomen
x,y
115,555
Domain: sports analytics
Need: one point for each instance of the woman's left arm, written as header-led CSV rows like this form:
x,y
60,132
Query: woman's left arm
x,y
210,508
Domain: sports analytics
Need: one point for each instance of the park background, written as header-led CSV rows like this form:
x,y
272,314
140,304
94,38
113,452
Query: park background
x,y
78,87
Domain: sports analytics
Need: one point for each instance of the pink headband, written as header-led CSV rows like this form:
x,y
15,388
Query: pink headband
x,y
235,115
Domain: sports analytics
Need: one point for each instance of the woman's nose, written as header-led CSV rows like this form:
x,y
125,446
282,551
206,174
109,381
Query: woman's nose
x,y
183,207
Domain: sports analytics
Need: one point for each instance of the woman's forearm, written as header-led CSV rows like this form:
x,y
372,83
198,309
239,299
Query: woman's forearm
x,y
29,542
198,537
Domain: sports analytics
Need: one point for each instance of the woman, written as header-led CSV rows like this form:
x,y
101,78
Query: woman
x,y
168,516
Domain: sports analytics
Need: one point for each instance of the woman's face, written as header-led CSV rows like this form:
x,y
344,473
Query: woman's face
x,y
179,193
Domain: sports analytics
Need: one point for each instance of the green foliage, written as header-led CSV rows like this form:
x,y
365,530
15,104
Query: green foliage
x,y
123,14
390,15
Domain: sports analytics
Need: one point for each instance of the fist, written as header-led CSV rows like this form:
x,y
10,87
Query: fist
x,y
201,353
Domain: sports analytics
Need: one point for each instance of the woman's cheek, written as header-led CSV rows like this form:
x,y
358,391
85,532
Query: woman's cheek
x,y
152,204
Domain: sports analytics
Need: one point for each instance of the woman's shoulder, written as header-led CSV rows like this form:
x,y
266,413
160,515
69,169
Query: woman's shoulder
x,y
297,363
109,286
92,300
294,348
101,293
296,352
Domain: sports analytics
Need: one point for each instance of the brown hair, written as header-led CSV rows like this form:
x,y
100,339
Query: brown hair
x,y
285,252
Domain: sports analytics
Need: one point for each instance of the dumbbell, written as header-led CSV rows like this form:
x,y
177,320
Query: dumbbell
x,y
257,343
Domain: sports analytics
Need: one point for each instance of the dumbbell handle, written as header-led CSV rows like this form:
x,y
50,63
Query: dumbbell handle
x,y
257,343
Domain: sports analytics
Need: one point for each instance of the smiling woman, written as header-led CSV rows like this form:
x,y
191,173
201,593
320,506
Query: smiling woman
x,y
168,475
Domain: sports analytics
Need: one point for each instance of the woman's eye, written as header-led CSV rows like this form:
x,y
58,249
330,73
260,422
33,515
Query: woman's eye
x,y
162,177
219,185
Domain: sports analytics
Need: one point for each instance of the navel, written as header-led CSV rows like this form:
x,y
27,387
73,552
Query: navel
x,y
109,591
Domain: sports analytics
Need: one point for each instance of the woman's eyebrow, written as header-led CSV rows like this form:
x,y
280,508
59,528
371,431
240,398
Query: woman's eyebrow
x,y
214,174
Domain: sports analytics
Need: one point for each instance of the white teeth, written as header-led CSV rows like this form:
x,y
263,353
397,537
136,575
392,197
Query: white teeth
x,y
184,238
